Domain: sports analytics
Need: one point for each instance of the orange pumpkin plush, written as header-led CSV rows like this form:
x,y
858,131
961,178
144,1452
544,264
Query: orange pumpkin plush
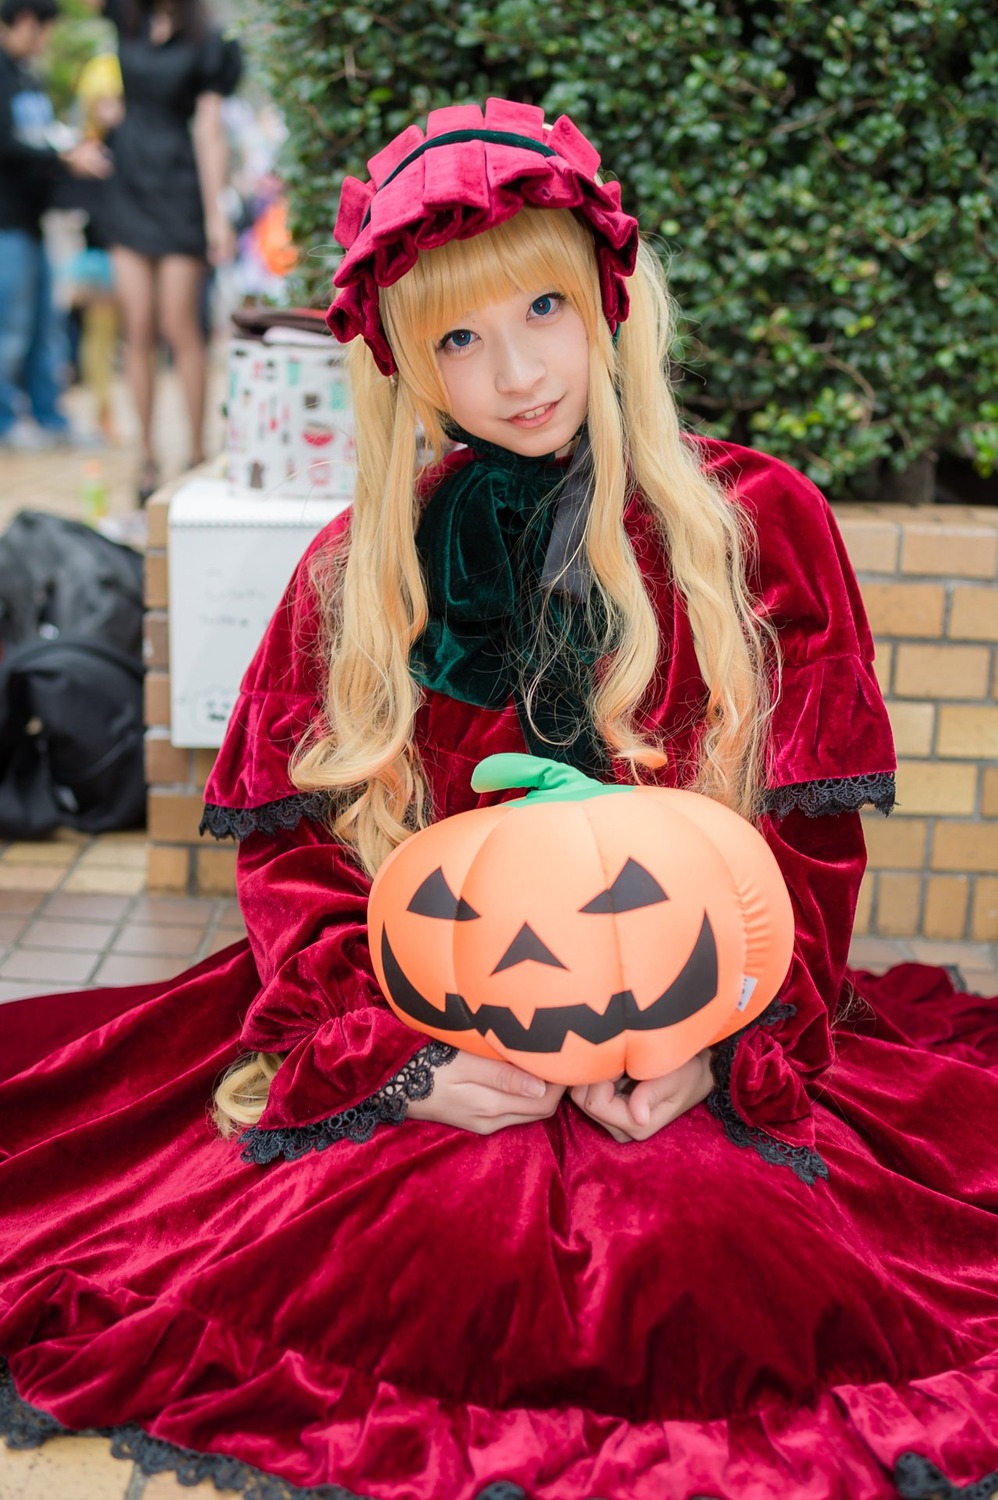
x,y
584,931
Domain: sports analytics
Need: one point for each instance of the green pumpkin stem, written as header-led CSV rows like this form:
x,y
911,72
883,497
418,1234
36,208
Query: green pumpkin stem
x,y
548,780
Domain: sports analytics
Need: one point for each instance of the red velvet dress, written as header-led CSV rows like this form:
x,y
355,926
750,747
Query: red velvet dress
x,y
790,1291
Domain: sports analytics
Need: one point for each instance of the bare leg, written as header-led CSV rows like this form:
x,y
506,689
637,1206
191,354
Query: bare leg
x,y
135,284
178,304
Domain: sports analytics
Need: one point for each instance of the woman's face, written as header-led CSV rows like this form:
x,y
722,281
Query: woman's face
x,y
516,372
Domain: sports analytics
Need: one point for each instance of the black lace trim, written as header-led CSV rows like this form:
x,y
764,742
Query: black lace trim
x,y
917,1479
821,799
803,1161
387,1107
24,1426
272,817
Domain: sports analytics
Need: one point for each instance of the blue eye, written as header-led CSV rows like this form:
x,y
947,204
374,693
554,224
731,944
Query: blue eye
x,y
544,306
458,338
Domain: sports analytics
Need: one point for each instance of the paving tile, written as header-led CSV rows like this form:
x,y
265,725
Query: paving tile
x,y
159,938
30,991
31,877
980,981
65,1468
11,927
20,903
973,955
129,968
105,879
114,853
183,909
86,937
39,854
43,966
878,953
80,907
223,938
231,916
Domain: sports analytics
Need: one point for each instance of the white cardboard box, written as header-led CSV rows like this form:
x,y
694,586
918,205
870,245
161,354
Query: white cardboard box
x,y
231,554
290,419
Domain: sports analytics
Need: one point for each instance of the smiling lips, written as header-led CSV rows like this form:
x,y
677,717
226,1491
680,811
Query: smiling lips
x,y
536,416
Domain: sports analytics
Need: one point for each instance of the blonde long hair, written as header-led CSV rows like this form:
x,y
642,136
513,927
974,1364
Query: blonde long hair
x,y
374,597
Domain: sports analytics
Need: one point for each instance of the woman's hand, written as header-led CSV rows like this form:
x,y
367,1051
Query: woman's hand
x,y
483,1095
221,237
639,1112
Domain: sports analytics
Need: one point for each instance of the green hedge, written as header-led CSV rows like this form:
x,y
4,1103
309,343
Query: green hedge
x,y
821,182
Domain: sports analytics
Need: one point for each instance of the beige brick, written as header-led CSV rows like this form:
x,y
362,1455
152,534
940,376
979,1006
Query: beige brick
x,y
215,872
203,762
157,594
906,609
964,551
157,516
913,725
984,920
927,787
156,639
968,732
895,843
864,905
167,764
989,792
941,671
157,698
898,898
872,544
168,868
174,817
946,899
168,1487
974,613
965,846
882,666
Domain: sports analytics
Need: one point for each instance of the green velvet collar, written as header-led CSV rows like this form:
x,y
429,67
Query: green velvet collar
x,y
493,631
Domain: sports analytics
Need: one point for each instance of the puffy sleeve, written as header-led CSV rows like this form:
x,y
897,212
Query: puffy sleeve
x,y
220,64
831,751
831,747
304,901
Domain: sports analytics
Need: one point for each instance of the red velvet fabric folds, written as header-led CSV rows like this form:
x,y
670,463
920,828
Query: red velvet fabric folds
x,y
419,1316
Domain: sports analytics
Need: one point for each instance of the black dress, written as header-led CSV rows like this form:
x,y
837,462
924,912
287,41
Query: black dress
x,y
154,198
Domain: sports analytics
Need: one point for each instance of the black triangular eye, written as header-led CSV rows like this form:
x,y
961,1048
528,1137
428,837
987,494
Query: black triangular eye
x,y
633,887
526,945
434,898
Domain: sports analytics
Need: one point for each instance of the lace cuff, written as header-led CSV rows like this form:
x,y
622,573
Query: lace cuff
x,y
387,1107
271,817
803,1161
821,799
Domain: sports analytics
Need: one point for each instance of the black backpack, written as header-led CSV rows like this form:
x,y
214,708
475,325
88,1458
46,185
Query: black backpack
x,y
71,709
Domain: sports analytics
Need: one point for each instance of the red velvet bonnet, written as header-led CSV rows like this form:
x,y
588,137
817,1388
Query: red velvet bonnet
x,y
469,173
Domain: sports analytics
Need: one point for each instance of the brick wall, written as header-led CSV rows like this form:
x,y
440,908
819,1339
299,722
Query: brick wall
x,y
177,859
928,577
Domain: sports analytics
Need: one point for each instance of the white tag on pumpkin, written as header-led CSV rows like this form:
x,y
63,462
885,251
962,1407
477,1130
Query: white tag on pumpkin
x,y
748,985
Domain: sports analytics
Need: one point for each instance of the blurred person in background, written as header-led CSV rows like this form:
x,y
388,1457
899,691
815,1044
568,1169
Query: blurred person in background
x,y
88,278
30,169
166,219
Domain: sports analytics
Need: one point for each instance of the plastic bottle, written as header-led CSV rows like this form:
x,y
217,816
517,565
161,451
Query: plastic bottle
x,y
93,492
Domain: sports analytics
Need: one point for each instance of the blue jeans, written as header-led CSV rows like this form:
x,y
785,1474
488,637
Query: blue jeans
x,y
32,333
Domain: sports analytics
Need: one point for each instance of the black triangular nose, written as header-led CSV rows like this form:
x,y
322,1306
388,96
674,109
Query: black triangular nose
x,y
526,945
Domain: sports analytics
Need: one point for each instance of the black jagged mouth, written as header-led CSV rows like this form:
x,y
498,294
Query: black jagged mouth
x,y
693,987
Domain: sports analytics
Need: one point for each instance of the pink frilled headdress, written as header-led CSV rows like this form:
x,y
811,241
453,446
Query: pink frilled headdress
x,y
469,173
